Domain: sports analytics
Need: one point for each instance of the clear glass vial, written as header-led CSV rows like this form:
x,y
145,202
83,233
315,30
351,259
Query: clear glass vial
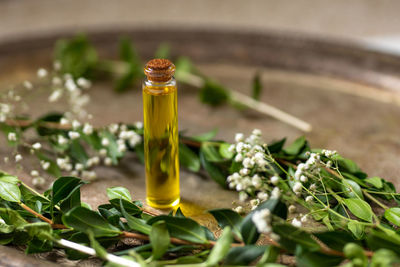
x,y
161,140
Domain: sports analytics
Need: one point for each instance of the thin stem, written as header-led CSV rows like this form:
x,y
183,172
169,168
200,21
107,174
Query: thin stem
x,y
40,216
368,195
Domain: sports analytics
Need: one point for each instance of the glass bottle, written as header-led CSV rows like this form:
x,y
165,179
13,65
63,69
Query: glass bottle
x,y
161,140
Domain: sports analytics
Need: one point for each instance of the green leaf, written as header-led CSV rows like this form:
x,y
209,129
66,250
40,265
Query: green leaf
x,y
7,178
221,248
213,93
375,181
224,150
384,258
63,187
393,215
351,189
257,87
296,147
159,239
41,230
335,239
291,236
77,151
183,228
305,258
86,220
211,153
36,245
77,56
359,208
72,200
12,217
244,255
100,251
205,136
379,239
270,255
227,217
134,223
188,158
212,170
276,146
9,192
129,207
162,51
118,192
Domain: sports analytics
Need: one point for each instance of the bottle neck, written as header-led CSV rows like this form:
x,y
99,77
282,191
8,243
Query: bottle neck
x,y
150,83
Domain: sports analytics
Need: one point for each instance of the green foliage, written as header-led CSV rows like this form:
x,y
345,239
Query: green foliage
x,y
359,208
213,94
257,87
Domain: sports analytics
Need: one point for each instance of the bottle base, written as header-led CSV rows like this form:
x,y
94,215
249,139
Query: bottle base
x,y
162,204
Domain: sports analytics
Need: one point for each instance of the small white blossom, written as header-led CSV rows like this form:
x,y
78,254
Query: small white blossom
x,y
45,165
70,85
297,187
79,166
64,121
256,181
105,141
313,187
6,159
239,137
263,196
84,83
292,208
243,196
256,132
259,156
329,164
18,158
248,163
239,209
274,180
113,128
139,125
261,219
87,129
95,160
37,146
55,95
28,85
244,171
108,161
239,147
73,135
41,73
57,65
232,148
135,139
304,219
303,178
254,202
12,136
239,187
89,175
34,173
239,158
276,193
103,152
38,182
296,223
309,199
61,140
76,124
56,81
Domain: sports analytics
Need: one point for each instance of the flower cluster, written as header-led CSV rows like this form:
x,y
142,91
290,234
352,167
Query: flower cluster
x,y
256,176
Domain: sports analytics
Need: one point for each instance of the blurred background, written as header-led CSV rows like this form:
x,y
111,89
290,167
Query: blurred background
x,y
372,22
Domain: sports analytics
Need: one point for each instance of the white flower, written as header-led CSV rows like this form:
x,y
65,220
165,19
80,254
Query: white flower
x,y
105,141
74,173
18,158
84,83
239,158
303,178
6,159
103,152
56,81
243,196
297,174
95,160
239,209
113,128
236,176
34,173
57,65
297,187
256,181
37,146
261,219
38,182
28,85
12,136
3,118
135,139
254,202
313,187
239,137
45,165
89,175
263,196
304,219
329,164
76,124
248,163
296,223
239,147
55,95
139,124
239,187
41,73
244,171
256,132
292,208
87,129
79,166
64,121
108,161
259,156
61,140
309,199
73,135
232,148
276,193
70,85
274,180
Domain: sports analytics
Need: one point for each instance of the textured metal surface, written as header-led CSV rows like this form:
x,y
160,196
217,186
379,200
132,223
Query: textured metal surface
x,y
313,79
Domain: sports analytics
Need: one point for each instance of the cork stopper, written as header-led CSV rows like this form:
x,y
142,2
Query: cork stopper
x,y
159,70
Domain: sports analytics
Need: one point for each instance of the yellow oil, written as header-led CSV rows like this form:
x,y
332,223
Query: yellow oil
x,y
161,142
